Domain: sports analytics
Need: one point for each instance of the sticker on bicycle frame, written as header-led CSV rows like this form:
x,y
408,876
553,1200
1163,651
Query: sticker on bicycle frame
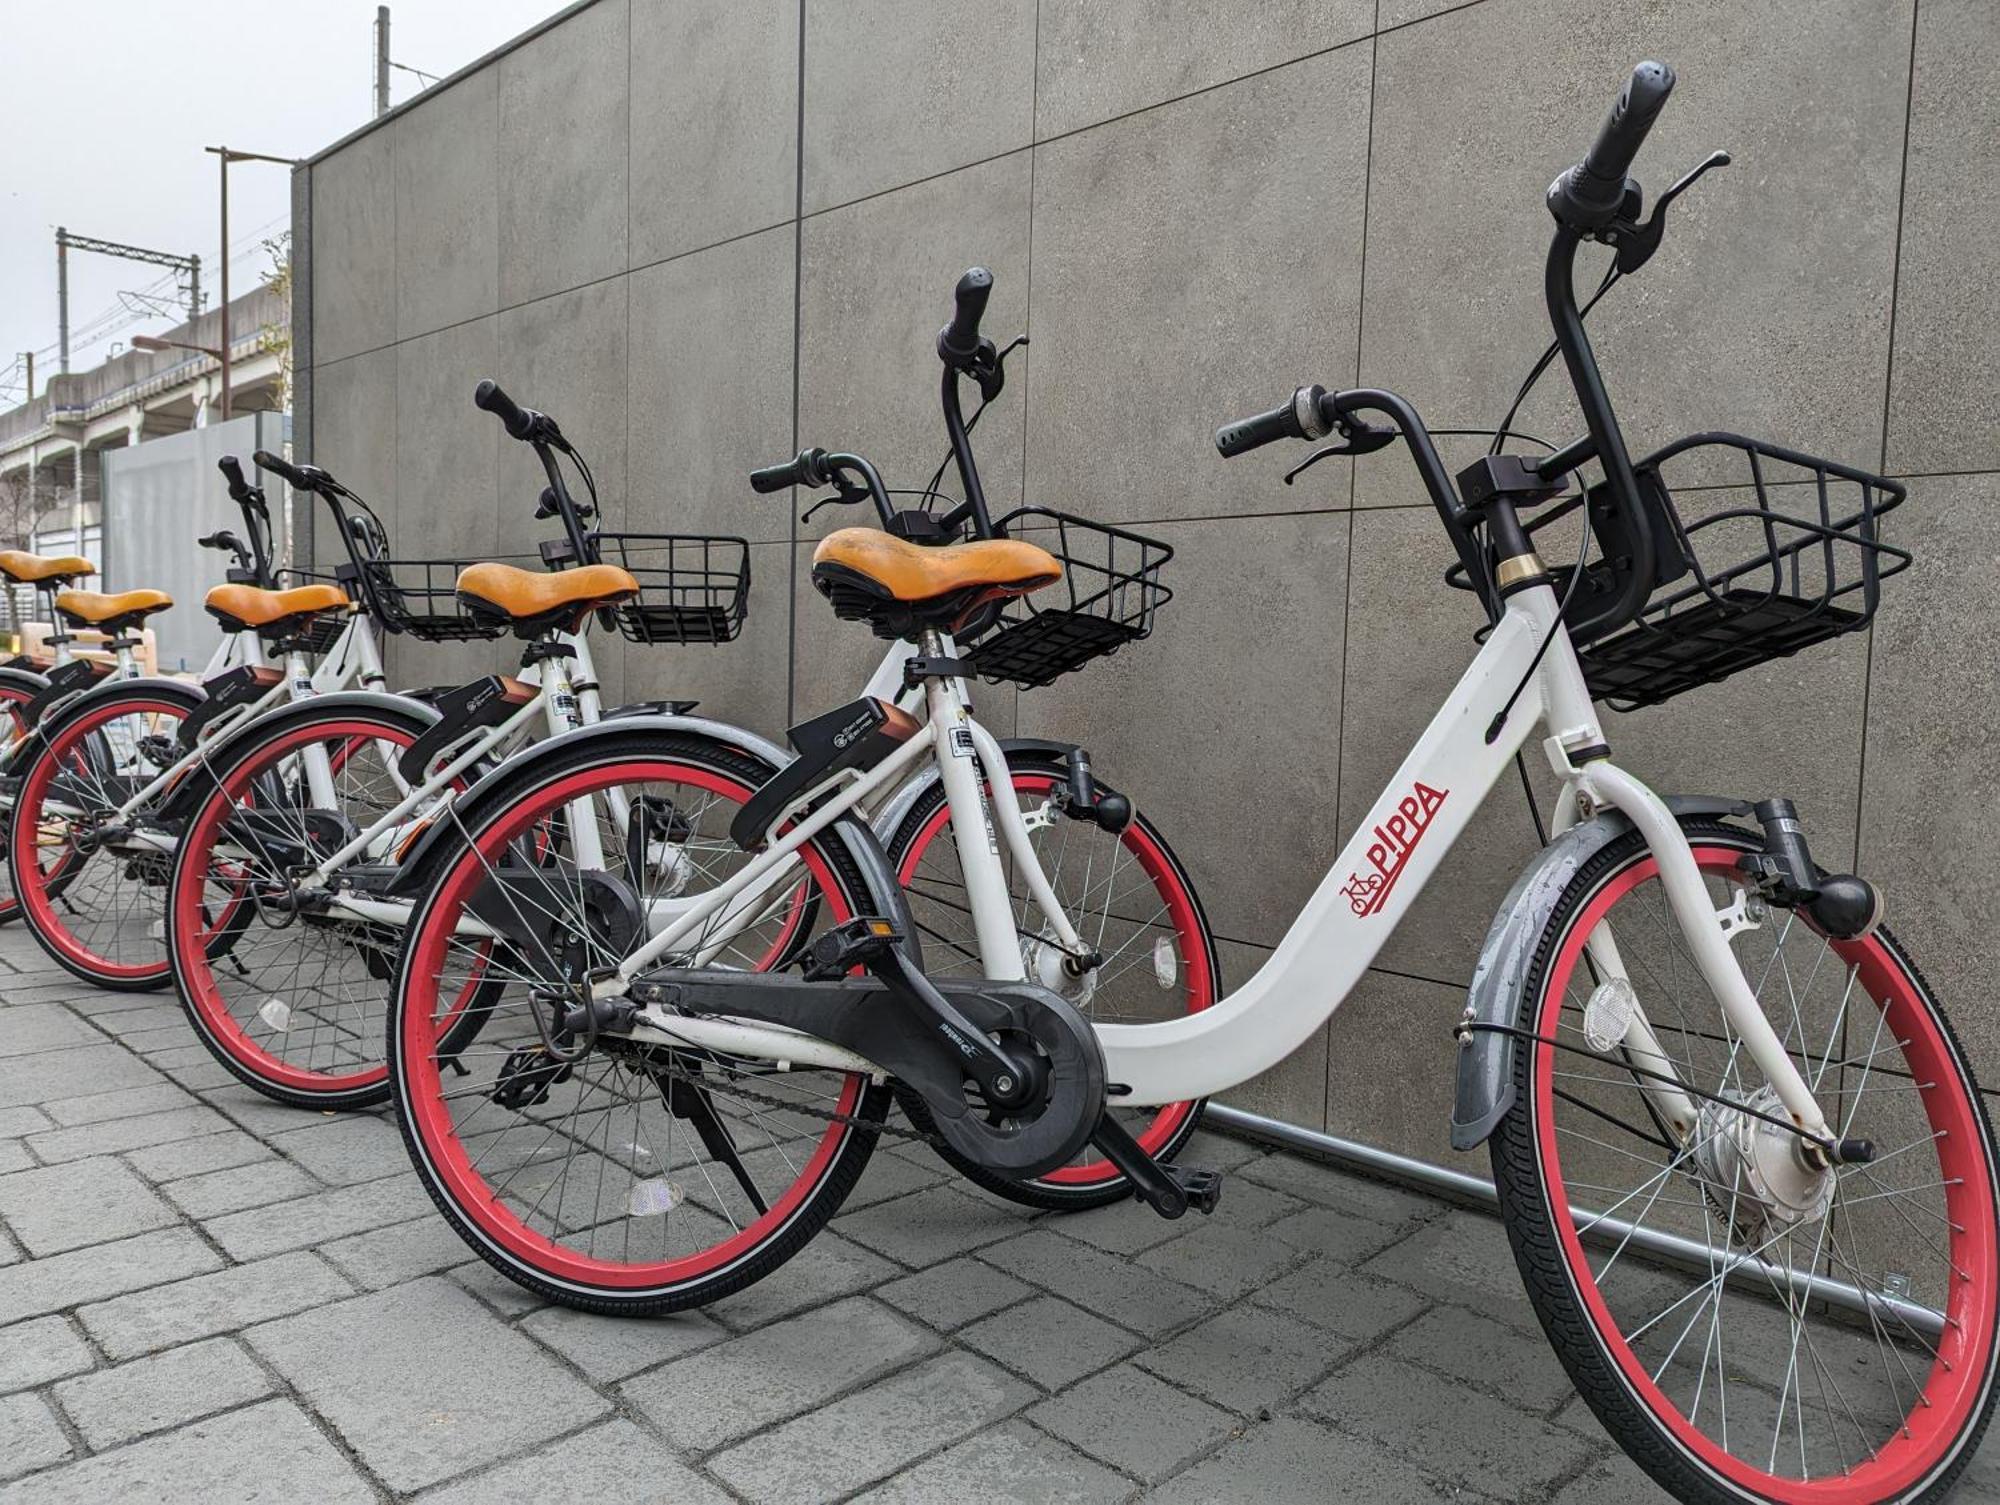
x,y
1395,839
961,741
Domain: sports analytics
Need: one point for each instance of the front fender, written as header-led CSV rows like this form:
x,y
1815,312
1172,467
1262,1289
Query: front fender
x,y
1499,981
512,779
221,754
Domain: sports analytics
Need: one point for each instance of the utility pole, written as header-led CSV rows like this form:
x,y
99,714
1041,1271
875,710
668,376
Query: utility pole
x,y
381,60
62,298
191,265
29,357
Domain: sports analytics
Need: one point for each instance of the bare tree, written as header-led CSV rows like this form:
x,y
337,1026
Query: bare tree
x,y
22,507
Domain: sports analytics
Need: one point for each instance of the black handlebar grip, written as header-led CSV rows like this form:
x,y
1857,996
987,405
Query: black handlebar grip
x,y
489,396
959,340
1632,115
775,477
289,472
1587,196
1301,418
232,472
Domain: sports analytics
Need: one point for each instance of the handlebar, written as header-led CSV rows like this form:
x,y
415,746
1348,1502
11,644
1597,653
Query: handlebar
x,y
958,341
1588,196
1309,415
520,423
298,477
818,467
232,472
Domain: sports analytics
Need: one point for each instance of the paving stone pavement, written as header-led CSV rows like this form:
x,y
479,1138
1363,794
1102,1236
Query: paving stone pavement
x,y
205,1295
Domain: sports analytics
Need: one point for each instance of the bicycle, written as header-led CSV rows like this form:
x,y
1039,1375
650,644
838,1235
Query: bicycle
x,y
1828,1179
308,1039
287,991
95,733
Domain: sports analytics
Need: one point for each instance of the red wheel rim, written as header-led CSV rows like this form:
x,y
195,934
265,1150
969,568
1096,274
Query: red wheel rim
x,y
422,1086
1957,1379
31,880
186,916
1157,866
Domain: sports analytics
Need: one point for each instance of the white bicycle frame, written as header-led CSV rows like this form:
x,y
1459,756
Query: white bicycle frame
x,y
1377,877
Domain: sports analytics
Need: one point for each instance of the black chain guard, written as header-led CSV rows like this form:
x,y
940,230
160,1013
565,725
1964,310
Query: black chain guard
x,y
868,1018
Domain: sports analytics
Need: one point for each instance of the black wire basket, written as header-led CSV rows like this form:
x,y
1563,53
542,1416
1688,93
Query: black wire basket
x,y
419,597
693,587
1108,596
1804,563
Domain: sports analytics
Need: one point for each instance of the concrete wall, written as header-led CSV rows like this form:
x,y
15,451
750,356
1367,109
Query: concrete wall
x,y
701,239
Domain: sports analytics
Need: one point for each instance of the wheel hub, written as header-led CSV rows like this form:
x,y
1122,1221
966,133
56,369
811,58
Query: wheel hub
x,y
1051,966
1756,1171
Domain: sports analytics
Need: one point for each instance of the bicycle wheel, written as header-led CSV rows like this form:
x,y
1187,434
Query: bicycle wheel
x,y
1128,897
634,1177
283,987
15,693
88,874
1784,1353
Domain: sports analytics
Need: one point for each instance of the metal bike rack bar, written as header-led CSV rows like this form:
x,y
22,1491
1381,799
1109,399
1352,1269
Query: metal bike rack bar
x,y
1458,1186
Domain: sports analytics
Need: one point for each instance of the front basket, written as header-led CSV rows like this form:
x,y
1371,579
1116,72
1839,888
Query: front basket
x,y
1762,552
1107,597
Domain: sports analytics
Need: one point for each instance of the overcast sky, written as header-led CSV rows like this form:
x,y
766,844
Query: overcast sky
x,y
110,102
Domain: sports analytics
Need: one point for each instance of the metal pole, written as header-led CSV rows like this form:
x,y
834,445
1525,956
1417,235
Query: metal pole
x,y
62,296
222,165
1667,1247
29,357
381,60
194,288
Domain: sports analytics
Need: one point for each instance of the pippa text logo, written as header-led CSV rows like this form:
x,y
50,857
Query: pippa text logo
x,y
1389,853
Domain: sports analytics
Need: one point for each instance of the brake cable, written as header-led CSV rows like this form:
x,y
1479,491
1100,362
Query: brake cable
x,y
950,454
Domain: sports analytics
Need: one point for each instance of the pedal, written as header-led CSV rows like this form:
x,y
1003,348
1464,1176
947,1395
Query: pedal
x,y
526,1077
856,943
1170,1190
1203,1188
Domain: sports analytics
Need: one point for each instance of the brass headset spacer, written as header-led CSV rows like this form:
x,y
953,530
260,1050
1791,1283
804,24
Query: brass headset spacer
x,y
1519,570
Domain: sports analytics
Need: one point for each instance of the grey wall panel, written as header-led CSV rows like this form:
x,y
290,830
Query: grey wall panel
x,y
711,387
715,136
448,206
898,90
875,288
1102,58
1944,413
354,249
1766,312
1187,243
1151,333
1930,818
563,138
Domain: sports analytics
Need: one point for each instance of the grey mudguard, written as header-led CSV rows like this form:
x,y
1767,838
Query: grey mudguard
x,y
187,797
1486,1059
506,780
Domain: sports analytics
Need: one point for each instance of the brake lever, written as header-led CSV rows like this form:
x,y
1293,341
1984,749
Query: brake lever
x,y
1358,437
844,492
1637,245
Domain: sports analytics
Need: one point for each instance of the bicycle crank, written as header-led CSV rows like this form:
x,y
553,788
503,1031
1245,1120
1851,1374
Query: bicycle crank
x,y
1009,1074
